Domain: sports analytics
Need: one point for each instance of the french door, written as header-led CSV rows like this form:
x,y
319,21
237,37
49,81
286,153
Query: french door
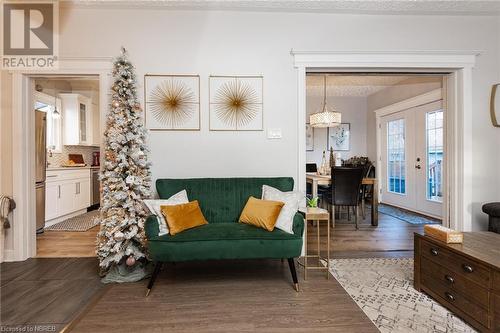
x,y
413,159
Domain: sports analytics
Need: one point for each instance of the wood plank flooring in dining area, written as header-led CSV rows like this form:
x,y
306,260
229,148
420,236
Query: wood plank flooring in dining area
x,y
391,234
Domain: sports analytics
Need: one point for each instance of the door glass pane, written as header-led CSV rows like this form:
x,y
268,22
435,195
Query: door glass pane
x,y
396,160
434,169
83,123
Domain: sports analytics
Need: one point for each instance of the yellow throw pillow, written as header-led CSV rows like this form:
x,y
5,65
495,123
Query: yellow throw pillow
x,y
261,213
182,217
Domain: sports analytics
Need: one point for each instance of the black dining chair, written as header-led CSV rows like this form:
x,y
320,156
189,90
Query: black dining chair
x,y
346,187
311,167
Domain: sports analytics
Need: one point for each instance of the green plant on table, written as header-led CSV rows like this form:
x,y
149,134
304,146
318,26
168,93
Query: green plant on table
x,y
312,202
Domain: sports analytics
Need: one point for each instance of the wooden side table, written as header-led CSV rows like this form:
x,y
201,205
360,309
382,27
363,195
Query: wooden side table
x,y
319,215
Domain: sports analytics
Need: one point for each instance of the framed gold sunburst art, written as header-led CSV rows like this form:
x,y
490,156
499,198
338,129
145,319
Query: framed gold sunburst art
x,y
172,102
236,103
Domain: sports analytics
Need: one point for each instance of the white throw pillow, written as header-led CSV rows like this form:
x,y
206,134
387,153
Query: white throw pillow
x,y
154,207
291,201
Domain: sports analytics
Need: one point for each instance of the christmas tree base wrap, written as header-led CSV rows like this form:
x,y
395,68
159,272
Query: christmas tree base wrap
x,y
123,273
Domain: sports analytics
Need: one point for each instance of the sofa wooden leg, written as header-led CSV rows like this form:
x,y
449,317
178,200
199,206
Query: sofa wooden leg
x,y
291,263
153,277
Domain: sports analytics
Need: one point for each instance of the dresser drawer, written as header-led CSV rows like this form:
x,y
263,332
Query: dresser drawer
x,y
455,299
496,281
496,312
470,269
455,282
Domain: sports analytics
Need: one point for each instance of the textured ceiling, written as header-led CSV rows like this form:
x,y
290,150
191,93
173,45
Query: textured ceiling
x,y
428,7
351,85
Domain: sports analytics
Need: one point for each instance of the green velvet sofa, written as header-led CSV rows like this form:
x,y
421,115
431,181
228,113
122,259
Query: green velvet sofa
x,y
221,201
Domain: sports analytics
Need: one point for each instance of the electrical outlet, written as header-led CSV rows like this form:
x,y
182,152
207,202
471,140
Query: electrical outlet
x,y
274,133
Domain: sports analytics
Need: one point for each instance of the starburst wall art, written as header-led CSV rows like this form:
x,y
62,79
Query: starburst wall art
x,y
236,103
172,102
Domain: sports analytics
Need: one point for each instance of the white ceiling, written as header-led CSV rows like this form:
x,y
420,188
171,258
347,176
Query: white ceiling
x,y
351,85
405,7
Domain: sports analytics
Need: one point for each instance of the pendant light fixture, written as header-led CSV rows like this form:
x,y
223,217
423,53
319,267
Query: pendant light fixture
x,y
55,114
325,117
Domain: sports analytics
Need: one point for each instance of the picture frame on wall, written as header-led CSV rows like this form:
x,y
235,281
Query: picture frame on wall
x,y
339,137
172,102
236,103
309,137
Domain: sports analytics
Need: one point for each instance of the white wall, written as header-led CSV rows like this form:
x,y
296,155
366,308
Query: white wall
x,y
226,42
354,111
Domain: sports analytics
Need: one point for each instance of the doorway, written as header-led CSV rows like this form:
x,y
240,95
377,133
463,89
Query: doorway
x,y
412,159
67,149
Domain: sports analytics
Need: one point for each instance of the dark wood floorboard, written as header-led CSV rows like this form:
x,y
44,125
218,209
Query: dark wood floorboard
x,y
225,296
46,291
228,296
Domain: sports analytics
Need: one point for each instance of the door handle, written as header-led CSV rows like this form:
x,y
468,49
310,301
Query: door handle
x,y
59,191
418,167
434,252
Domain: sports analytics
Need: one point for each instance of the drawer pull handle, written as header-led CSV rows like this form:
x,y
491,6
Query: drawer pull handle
x,y
468,268
450,279
449,296
434,252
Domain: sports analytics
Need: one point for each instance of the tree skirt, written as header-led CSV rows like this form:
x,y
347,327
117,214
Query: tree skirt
x,y
383,289
82,222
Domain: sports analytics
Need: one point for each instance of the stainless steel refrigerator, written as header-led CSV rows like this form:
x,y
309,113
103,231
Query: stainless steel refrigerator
x,y
40,166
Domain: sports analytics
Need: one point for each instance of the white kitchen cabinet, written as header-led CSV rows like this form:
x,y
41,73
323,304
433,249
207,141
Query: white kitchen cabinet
x,y
82,193
96,121
67,198
67,193
77,119
51,196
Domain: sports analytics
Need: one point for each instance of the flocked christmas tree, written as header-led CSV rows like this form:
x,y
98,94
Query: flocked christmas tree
x,y
125,180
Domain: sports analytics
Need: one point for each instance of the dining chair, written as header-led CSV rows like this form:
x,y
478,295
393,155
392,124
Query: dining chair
x,y
345,191
311,167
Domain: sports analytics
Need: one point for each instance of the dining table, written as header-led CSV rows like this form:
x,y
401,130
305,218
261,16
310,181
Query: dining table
x,y
315,179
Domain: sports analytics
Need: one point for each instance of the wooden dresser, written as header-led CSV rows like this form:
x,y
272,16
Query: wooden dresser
x,y
465,278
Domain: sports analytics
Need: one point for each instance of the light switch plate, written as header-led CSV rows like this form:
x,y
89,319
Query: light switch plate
x,y
274,133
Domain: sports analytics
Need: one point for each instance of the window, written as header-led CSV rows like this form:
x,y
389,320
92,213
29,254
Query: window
x,y
434,150
45,103
396,160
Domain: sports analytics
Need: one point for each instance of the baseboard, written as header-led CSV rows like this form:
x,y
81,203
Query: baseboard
x,y
9,256
65,217
413,211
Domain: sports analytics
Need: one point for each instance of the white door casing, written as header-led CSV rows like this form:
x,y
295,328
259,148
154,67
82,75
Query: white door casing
x,y
458,92
23,230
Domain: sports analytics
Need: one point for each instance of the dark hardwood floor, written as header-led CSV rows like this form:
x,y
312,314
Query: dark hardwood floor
x,y
225,296
46,293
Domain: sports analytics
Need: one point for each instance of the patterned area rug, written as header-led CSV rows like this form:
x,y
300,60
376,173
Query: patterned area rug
x,y
406,215
82,222
383,289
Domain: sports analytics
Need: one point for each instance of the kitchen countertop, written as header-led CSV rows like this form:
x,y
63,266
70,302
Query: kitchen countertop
x,y
72,168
